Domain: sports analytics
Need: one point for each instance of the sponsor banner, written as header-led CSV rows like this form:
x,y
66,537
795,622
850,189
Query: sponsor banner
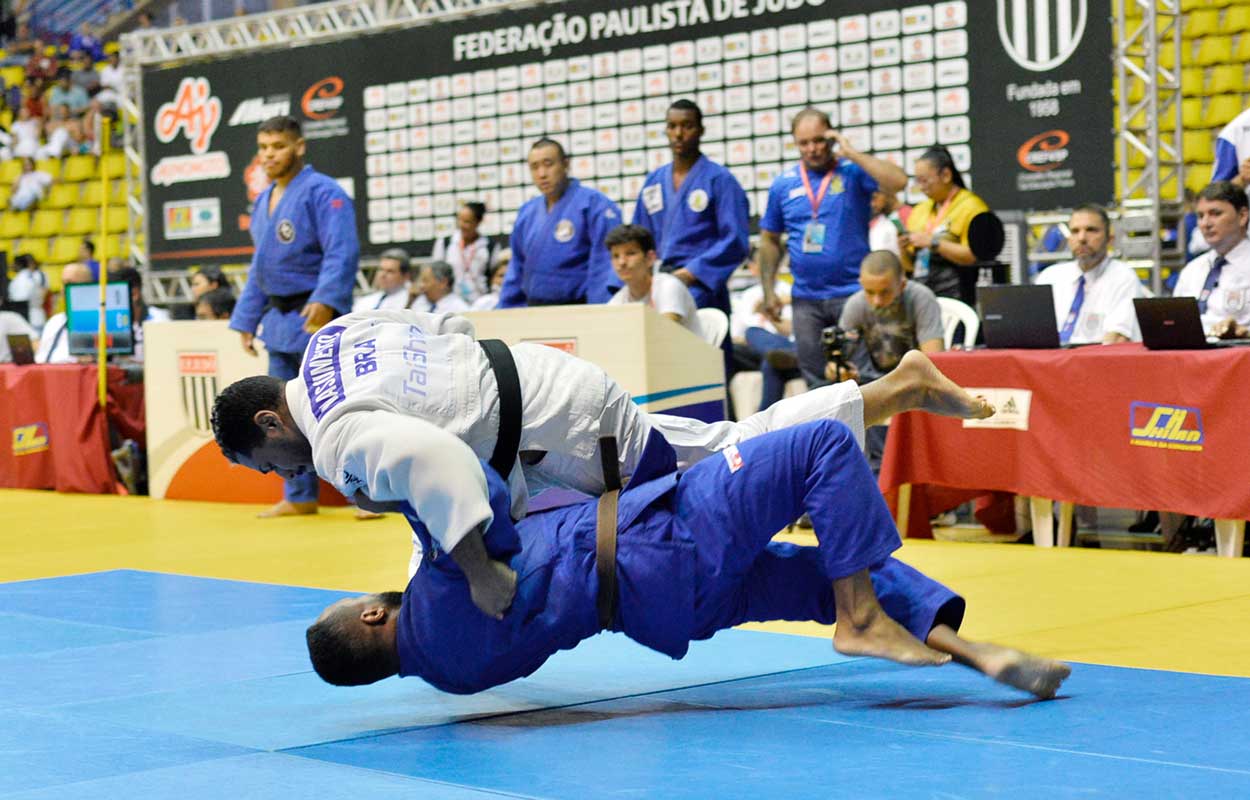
x,y
30,439
192,219
453,119
1164,426
198,379
1013,406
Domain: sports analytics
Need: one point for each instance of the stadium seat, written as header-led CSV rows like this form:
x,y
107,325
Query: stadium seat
x,y
1193,80
1214,50
14,224
1191,113
1202,22
114,164
5,193
92,194
35,247
1241,54
61,195
82,221
1198,146
46,222
9,170
12,76
1227,78
1222,108
52,166
1237,19
64,250
78,169
110,247
1197,176
117,193
117,219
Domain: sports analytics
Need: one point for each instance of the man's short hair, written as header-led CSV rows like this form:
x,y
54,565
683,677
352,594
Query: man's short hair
x,y
129,275
630,234
398,254
214,274
220,300
1227,192
809,113
236,433
24,261
881,262
343,659
442,272
1094,208
90,245
282,124
688,105
545,142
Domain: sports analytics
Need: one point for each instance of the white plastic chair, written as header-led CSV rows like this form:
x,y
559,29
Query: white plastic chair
x,y
715,325
954,312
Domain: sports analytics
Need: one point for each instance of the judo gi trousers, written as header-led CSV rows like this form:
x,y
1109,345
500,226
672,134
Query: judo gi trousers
x,y
301,489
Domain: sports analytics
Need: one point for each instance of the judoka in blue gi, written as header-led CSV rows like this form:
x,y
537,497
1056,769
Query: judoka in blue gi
x,y
697,212
669,560
303,270
558,255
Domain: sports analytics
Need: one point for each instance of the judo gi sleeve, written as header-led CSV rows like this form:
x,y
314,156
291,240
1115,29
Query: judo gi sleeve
x,y
394,457
251,305
601,281
718,259
1226,166
335,218
511,294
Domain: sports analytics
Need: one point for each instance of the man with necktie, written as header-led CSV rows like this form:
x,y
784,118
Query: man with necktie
x,y
1220,278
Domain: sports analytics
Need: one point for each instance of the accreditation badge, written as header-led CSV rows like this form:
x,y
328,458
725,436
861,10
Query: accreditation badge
x,y
813,237
653,198
1235,300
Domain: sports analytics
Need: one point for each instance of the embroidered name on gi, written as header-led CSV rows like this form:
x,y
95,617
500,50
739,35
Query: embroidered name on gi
x,y
323,376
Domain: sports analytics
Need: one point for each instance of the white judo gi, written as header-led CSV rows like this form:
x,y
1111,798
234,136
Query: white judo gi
x,y
366,375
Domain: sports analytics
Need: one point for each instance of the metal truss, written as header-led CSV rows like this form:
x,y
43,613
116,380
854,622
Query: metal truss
x,y
1152,199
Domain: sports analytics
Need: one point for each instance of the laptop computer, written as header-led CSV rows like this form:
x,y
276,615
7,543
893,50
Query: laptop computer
x,y
20,347
1174,323
1018,317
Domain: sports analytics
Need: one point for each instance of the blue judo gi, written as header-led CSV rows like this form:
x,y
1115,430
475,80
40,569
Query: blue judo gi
x,y
694,556
703,228
558,255
308,245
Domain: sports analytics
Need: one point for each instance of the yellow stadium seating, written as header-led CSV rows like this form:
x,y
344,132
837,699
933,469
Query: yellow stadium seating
x,y
64,250
46,222
52,166
79,168
1192,80
1214,50
117,193
9,170
1236,19
1202,22
12,76
1241,54
92,194
35,247
14,224
1197,176
61,195
117,219
113,164
1227,78
1198,146
5,193
82,221
1221,109
1191,113
111,246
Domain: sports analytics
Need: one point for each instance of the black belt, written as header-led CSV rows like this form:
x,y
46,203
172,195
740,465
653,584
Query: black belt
x,y
605,533
509,385
288,302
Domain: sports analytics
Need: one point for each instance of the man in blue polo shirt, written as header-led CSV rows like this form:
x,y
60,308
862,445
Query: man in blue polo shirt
x,y
823,204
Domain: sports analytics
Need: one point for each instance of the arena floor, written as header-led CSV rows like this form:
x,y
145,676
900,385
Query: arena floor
x,y
155,649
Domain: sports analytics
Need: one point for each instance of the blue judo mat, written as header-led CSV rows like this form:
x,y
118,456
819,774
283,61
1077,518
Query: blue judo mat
x,y
142,685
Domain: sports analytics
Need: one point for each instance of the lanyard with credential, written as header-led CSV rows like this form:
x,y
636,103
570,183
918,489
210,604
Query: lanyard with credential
x,y
934,221
815,199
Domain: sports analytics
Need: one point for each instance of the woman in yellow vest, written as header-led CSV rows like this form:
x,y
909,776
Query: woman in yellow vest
x,y
935,247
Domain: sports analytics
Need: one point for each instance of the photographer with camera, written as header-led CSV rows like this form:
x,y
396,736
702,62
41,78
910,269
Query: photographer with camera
x,y
887,317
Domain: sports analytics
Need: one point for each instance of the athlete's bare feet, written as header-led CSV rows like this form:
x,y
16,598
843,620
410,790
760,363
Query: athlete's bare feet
x,y
937,393
864,629
1033,674
286,508
362,515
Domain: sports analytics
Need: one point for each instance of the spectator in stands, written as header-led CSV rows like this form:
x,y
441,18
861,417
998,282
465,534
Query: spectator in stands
x,y
12,323
111,81
435,290
215,304
1220,279
24,135
496,276
29,286
66,93
558,255
30,187
1094,293
82,74
20,48
468,252
54,341
935,248
85,41
41,66
144,21
886,225
823,204
207,279
86,255
33,99
633,260
64,133
390,280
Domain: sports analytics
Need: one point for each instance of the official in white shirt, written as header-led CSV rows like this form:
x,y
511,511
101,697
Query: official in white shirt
x,y
12,323
54,341
391,282
1220,279
29,286
1093,294
633,261
435,290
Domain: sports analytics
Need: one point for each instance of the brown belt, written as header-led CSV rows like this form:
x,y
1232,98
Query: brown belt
x,y
605,532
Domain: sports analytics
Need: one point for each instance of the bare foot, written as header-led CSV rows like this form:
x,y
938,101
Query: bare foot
x,y
362,514
937,393
882,637
286,508
1033,674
